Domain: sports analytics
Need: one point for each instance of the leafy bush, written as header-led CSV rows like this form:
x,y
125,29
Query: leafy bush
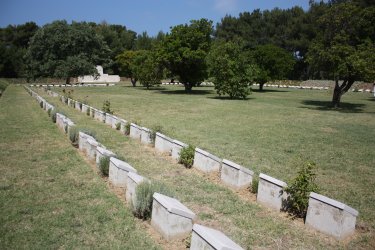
x,y
104,165
299,190
118,126
187,156
143,204
3,85
93,114
153,132
49,111
41,104
88,111
127,128
107,107
73,136
254,185
53,115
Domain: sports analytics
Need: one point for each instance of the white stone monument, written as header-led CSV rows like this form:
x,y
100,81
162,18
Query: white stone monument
x,y
100,78
270,192
235,175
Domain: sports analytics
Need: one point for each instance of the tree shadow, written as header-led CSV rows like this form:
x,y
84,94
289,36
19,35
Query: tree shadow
x,y
268,90
227,98
327,106
183,92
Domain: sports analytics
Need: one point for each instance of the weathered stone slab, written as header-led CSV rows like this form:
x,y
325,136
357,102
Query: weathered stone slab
x,y
135,131
206,162
70,102
170,217
145,136
108,119
84,108
78,106
69,124
131,185
208,238
102,152
176,149
123,125
60,121
82,141
270,192
115,120
163,143
99,115
235,175
118,172
91,145
330,216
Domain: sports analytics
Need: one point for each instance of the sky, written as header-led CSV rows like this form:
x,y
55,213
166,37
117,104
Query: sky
x,y
138,15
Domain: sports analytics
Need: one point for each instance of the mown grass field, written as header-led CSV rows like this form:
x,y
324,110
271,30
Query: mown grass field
x,y
50,198
265,133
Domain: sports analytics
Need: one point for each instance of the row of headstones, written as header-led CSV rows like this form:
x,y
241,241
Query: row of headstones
x,y
292,86
324,214
74,85
178,83
170,217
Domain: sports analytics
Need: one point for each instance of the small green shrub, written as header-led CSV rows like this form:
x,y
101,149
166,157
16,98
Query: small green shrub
x,y
104,165
41,104
299,190
254,185
49,111
88,111
118,126
143,204
187,156
73,136
53,116
80,105
92,113
153,132
107,107
127,128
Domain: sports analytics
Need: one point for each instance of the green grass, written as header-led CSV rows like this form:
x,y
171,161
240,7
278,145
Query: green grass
x,y
49,196
265,133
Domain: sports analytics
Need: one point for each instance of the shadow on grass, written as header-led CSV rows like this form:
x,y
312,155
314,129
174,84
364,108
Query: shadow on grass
x,y
183,92
268,90
327,106
227,98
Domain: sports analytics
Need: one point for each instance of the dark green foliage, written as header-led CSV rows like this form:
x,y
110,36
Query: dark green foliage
x,y
153,132
148,68
49,111
3,85
254,185
127,128
143,205
41,104
88,111
187,156
104,165
299,190
118,126
184,51
73,136
107,107
125,62
53,116
65,50
231,69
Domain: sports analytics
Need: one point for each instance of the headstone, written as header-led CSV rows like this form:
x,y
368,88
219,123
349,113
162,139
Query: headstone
x,y
91,144
206,162
78,106
176,149
131,185
208,238
330,216
102,152
118,172
108,119
163,143
145,136
171,218
135,131
82,140
115,121
235,175
270,192
123,125
99,115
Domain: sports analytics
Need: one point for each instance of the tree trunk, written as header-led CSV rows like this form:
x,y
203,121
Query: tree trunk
x,y
188,87
67,81
339,90
133,81
261,86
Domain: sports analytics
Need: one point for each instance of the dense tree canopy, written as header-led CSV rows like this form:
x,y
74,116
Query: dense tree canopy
x,y
184,51
232,70
61,50
345,49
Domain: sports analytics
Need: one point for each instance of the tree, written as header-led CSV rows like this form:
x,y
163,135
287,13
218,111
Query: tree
x,y
63,51
126,65
184,51
345,50
231,69
147,68
274,63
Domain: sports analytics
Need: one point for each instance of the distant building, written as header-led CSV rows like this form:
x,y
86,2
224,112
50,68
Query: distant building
x,y
101,78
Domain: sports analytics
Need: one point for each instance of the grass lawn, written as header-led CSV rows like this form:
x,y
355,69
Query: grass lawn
x,y
49,196
266,133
